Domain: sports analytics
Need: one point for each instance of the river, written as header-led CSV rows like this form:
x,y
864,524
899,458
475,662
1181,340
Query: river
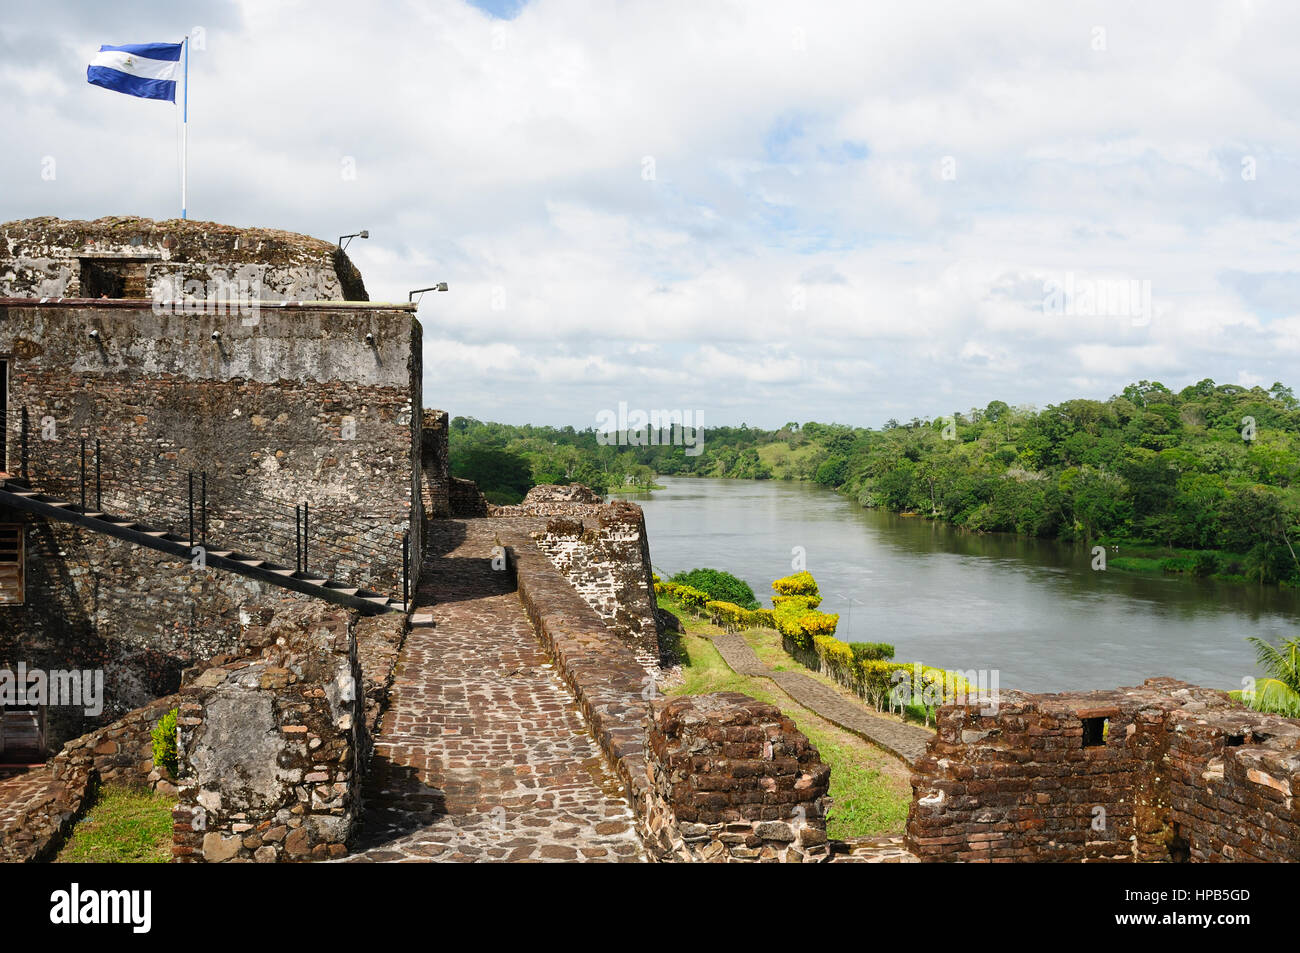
x,y
1031,609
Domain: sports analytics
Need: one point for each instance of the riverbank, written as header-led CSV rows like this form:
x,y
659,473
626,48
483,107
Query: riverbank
x,y
1123,554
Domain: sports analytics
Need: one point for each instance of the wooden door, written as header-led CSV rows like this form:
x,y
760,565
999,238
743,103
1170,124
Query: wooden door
x,y
11,564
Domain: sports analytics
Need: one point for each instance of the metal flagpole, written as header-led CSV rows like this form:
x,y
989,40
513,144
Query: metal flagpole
x,y
185,129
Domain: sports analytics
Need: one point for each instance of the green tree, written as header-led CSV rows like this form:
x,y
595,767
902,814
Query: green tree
x,y
502,476
721,586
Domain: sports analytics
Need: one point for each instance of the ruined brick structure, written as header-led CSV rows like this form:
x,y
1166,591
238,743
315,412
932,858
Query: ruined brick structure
x,y
601,548
51,798
716,778
733,779
1164,772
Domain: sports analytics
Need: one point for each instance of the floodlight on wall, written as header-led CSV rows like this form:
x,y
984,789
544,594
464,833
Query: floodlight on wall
x,y
370,339
216,335
345,240
440,286
93,334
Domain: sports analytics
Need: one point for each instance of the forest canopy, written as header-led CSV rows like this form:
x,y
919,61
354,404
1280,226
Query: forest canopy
x,y
1211,467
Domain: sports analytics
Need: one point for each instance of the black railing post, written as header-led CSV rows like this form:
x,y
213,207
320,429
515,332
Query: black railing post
x,y
191,509
23,458
99,490
406,569
83,474
203,510
306,522
297,537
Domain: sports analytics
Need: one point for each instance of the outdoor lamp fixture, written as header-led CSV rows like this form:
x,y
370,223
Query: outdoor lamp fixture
x,y
93,334
343,245
370,339
216,335
440,286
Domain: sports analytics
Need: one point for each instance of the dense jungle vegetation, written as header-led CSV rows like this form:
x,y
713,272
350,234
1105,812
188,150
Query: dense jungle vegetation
x,y
1209,474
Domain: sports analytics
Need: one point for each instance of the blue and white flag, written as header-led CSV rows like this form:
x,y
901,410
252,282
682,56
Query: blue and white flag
x,y
147,70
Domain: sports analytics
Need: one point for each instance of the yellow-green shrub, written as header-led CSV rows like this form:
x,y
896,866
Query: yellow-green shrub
x,y
835,656
799,584
727,614
691,598
821,624
807,601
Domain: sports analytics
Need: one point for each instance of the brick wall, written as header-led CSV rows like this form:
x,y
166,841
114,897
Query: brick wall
x,y
734,780
606,558
755,792
1166,771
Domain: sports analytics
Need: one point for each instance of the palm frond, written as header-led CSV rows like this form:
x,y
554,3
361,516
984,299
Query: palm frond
x,y
1276,698
1282,662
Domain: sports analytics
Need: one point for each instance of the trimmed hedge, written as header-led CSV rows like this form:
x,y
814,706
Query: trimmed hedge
x,y
871,651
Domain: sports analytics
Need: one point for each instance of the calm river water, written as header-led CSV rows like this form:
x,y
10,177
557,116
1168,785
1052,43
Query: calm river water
x,y
1032,609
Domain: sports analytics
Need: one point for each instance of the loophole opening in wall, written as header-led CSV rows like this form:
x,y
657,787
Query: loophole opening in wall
x,y
1094,732
113,278
1180,848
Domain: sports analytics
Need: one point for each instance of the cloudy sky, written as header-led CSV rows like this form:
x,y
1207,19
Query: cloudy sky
x,y
757,211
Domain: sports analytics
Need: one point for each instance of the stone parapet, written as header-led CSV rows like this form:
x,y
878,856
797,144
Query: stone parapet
x,y
733,779
1162,772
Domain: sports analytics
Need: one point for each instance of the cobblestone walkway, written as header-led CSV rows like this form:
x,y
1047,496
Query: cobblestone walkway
x,y
21,790
907,741
482,754
889,849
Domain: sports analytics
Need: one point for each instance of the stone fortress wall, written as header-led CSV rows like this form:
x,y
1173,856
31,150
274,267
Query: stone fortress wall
x,y
276,402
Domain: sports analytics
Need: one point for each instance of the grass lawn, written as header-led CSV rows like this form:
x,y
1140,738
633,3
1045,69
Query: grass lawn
x,y
869,789
784,461
125,825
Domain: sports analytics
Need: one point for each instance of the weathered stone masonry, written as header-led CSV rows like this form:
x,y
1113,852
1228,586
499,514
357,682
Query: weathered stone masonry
x,y
733,779
125,257
602,549
1164,772
290,404
272,746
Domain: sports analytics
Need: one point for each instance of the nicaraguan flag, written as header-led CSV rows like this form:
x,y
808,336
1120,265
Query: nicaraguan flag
x,y
147,70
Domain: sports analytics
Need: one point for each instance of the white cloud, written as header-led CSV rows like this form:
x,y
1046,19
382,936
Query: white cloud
x,y
798,252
